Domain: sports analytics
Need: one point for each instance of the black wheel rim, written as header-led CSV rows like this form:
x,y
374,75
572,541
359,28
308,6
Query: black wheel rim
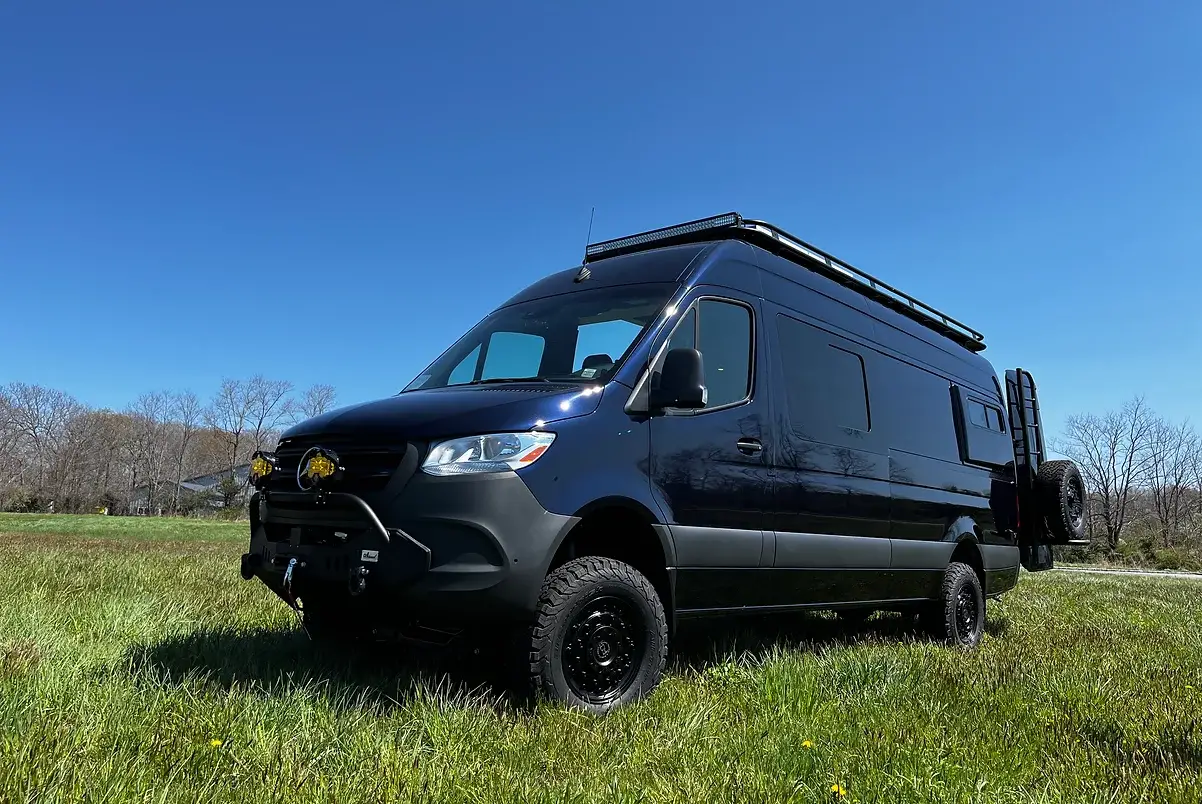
x,y
967,612
603,649
1075,504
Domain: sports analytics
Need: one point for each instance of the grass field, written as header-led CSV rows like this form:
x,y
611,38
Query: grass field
x,y
135,665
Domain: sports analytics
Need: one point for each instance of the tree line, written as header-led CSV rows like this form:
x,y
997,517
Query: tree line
x,y
1142,471
57,453
1143,475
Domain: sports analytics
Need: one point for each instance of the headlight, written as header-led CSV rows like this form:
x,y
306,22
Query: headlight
x,y
261,467
486,453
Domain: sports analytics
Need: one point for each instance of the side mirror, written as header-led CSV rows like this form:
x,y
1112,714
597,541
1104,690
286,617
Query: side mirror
x,y
681,381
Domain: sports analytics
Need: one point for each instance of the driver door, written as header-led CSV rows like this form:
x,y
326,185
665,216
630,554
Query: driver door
x,y
710,467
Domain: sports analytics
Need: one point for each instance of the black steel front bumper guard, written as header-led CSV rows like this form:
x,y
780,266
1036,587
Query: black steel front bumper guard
x,y
400,559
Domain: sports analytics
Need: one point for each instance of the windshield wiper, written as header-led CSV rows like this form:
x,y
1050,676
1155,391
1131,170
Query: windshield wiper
x,y
509,379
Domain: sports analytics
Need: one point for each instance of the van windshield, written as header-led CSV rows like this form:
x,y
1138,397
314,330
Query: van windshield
x,y
572,337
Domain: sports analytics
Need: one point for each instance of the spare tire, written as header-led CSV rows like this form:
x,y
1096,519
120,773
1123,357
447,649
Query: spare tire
x,y
1061,496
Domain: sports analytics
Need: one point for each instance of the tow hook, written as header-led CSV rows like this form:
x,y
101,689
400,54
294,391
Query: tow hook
x,y
250,563
358,579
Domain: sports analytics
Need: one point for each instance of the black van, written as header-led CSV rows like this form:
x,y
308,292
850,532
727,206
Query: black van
x,y
710,418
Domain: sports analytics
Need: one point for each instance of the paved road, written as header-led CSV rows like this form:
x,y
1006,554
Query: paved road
x,y
1141,573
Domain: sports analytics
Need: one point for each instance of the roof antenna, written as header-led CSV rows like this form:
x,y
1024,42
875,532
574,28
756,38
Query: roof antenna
x,y
584,272
589,238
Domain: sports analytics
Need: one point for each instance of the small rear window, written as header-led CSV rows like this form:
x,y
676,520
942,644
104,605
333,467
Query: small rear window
x,y
987,416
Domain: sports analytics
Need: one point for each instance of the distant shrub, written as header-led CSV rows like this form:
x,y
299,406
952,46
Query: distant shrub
x,y
22,501
1130,550
231,514
196,503
1175,558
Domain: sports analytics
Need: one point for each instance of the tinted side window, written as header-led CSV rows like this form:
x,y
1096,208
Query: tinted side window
x,y
685,334
848,389
976,413
986,416
724,340
721,331
825,385
916,409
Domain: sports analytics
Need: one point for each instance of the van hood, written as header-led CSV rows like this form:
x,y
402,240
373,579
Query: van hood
x,y
450,412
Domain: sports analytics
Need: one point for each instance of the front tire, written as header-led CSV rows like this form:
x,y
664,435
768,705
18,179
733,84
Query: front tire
x,y
958,618
600,637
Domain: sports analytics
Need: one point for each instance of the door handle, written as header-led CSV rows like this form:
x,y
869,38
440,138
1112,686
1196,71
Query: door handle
x,y
750,446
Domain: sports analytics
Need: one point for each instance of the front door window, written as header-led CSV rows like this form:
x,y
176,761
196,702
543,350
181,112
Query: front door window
x,y
721,331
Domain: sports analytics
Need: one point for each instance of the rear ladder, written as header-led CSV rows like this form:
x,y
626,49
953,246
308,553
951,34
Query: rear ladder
x,y
1026,428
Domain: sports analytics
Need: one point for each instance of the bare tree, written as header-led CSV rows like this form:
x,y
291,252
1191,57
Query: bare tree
x,y
1112,453
37,420
149,441
10,460
228,415
187,413
1172,450
208,453
1198,478
72,463
316,401
52,448
110,433
268,404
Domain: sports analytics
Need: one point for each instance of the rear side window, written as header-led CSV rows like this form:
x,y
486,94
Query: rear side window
x,y
721,331
980,430
825,385
848,389
987,416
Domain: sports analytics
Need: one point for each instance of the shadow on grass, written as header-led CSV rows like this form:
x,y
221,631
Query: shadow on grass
x,y
702,643
274,661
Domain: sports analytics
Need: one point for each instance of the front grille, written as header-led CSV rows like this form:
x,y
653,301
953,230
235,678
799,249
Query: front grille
x,y
319,535
367,467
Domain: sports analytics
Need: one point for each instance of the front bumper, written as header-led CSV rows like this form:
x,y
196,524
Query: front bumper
x,y
454,550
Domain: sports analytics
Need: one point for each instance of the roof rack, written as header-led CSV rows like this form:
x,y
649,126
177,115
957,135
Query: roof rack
x,y
772,238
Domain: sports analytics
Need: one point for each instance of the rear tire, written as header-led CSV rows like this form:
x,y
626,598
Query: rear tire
x,y
1061,495
600,637
958,618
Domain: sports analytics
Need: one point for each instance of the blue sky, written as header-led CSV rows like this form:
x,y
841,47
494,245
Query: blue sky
x,y
184,190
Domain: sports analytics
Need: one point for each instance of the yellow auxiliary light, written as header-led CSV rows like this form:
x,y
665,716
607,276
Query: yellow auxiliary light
x,y
318,467
262,464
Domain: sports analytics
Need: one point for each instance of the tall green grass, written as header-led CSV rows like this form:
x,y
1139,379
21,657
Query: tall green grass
x,y
122,527
156,674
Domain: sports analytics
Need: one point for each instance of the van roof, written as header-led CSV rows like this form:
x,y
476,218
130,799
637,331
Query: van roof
x,y
734,226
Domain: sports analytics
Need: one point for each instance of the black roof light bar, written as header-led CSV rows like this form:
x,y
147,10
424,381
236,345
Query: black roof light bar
x,y
772,238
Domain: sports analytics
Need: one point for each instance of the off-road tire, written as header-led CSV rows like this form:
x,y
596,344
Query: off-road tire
x,y
1060,492
958,617
574,623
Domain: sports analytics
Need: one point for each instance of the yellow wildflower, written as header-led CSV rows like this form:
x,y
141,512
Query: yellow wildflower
x,y
807,744
215,743
838,790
